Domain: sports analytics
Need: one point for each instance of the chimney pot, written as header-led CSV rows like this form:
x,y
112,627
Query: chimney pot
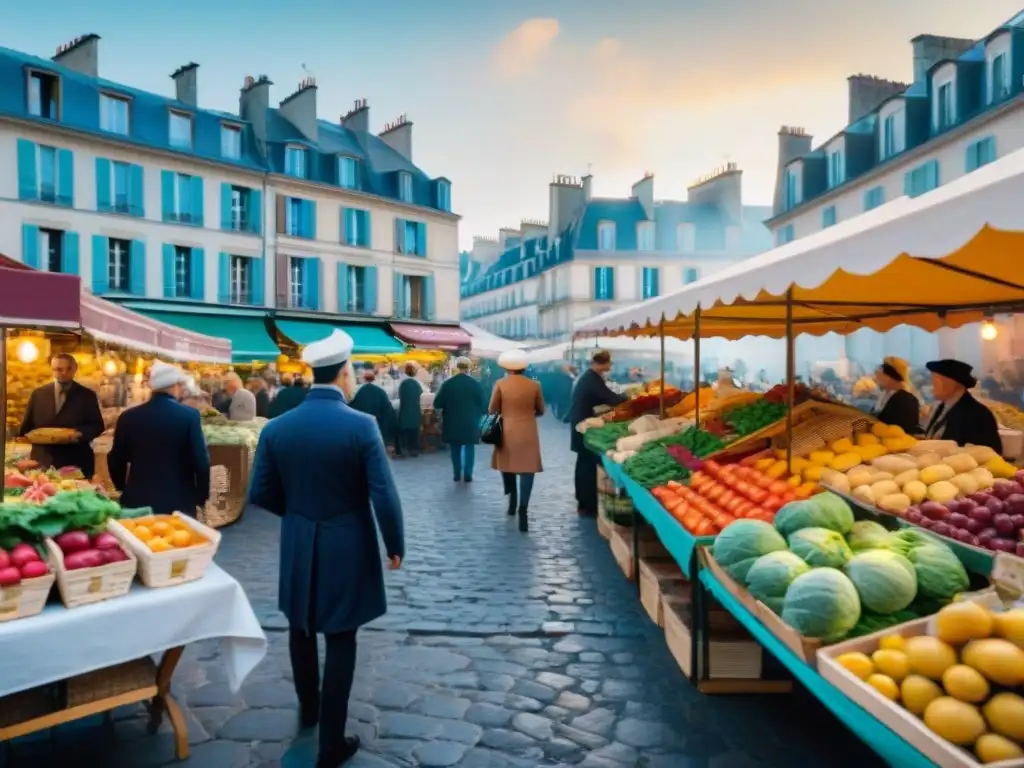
x,y
80,55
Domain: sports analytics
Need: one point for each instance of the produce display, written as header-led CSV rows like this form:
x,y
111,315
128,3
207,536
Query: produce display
x,y
84,550
644,431
52,435
648,402
658,462
601,437
233,433
162,533
21,563
1006,414
748,419
830,577
965,681
25,483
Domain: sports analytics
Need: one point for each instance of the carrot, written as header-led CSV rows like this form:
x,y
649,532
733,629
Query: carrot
x,y
704,528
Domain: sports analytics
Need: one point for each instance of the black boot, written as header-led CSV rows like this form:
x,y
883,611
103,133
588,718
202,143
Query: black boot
x,y
509,483
512,502
523,525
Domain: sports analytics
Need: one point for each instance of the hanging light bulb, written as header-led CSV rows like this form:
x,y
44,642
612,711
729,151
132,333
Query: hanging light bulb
x,y
110,367
28,352
989,330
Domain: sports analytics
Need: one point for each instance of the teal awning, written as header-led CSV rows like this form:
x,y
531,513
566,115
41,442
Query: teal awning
x,y
250,341
369,339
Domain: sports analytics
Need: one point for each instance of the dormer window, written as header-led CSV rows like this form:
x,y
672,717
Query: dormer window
x,y
606,236
792,189
295,161
444,196
944,97
999,79
405,186
231,141
179,130
44,95
348,172
836,168
645,236
113,114
944,106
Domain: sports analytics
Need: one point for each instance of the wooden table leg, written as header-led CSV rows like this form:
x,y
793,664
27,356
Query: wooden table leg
x,y
164,702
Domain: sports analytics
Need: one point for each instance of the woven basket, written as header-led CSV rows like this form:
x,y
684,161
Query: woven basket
x,y
91,585
25,599
176,566
229,483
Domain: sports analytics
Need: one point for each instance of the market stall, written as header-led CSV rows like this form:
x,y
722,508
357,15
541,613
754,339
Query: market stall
x,y
486,345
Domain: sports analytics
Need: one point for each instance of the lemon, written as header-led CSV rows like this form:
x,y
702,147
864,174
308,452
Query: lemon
x,y
895,664
993,748
965,683
917,693
999,660
857,664
1005,715
1010,626
959,623
885,685
955,721
892,643
929,656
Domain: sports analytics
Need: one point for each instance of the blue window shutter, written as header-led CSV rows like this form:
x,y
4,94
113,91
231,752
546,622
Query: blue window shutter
x,y
344,225
65,177
370,288
137,268
397,291
197,275
197,201
257,279
100,268
30,245
428,296
311,283
256,211
225,206
28,185
364,229
167,194
102,184
342,287
908,183
399,236
168,269
611,282
224,278
421,239
71,266
597,283
307,222
136,191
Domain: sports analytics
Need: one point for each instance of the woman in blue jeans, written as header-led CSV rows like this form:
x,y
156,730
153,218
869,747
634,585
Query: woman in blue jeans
x,y
461,403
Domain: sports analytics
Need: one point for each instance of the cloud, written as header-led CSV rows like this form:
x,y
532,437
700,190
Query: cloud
x,y
524,49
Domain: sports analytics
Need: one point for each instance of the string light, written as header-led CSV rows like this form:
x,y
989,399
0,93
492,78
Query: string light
x,y
28,352
989,330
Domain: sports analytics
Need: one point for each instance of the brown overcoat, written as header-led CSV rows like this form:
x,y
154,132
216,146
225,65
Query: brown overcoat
x,y
519,401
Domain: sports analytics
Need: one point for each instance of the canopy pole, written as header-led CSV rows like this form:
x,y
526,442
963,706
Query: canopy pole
x,y
661,397
3,397
696,361
790,379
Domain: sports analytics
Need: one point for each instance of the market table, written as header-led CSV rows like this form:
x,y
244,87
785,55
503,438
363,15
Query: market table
x,y
66,664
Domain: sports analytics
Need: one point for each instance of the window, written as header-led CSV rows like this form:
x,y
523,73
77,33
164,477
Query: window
x,y
645,236
944,107
604,283
183,272
44,95
348,172
922,179
690,275
182,203
411,236
47,174
836,169
873,198
113,114
792,190
180,130
356,225
231,142
293,217
980,153
444,196
784,235
239,217
606,236
295,161
295,281
999,85
241,280
405,186
118,267
828,217
649,283
356,290
52,243
889,136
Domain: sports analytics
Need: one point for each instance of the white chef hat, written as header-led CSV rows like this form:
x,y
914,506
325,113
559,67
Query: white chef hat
x,y
164,376
334,350
513,360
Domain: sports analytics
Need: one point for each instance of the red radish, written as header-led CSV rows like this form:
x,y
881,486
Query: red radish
x,y
34,569
73,541
23,553
105,541
5,560
10,577
115,555
89,558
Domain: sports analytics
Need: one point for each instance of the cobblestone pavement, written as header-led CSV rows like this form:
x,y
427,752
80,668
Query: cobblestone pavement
x,y
499,650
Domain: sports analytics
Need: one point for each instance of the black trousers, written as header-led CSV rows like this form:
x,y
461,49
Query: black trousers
x,y
332,698
409,441
586,481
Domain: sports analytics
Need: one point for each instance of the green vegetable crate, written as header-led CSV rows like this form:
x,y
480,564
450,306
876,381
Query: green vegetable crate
x,y
613,504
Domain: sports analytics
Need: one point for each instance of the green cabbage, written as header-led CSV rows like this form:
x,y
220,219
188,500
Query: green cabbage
x,y
738,546
820,547
825,510
822,603
867,534
770,576
940,574
885,581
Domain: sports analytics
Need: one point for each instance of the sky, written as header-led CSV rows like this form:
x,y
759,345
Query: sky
x,y
504,95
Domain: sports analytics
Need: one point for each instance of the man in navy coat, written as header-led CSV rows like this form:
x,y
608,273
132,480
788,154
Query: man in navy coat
x,y
159,457
322,467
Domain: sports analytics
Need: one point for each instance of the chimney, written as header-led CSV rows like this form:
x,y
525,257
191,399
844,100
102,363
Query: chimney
x,y
299,109
929,50
185,83
793,143
81,54
504,235
357,119
485,251
565,198
722,188
398,136
867,92
533,228
253,103
643,191
587,183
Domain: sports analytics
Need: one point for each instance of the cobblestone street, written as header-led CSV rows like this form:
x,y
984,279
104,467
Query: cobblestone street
x,y
499,649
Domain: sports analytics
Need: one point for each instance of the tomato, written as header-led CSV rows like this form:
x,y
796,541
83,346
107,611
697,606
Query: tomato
x,y
756,494
704,528
733,504
713,468
691,520
722,520
713,492
764,516
778,487
725,499
788,496
673,485
765,482
742,487
772,504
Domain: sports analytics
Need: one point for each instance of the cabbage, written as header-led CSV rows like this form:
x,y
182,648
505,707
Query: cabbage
x,y
770,576
885,581
940,574
822,603
738,546
825,510
820,548
867,534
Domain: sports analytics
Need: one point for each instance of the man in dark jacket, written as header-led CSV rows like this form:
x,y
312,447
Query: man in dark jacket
x,y
159,457
410,415
590,392
373,400
462,406
288,397
958,416
65,403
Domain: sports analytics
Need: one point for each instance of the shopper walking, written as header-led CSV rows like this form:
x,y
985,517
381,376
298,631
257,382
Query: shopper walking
x,y
410,416
242,405
373,400
323,469
461,403
518,400
291,394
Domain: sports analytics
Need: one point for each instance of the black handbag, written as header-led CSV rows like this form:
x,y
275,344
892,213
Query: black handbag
x,y
491,429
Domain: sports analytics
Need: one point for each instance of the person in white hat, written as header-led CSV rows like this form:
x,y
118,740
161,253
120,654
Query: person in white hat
x,y
162,443
323,469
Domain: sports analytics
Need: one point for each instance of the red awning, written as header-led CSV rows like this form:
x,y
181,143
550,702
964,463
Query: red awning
x,y
38,299
432,336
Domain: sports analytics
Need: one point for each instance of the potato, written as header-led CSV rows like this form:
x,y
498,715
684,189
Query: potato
x,y
884,488
961,462
863,494
836,480
966,483
895,502
980,453
916,491
937,473
907,477
942,492
860,476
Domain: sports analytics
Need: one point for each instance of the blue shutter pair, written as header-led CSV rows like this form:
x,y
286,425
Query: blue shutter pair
x,y
106,191
311,283
31,254
197,277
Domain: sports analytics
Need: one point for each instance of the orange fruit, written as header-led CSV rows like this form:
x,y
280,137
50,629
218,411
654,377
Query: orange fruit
x,y
142,533
159,544
129,524
179,525
181,538
160,527
146,521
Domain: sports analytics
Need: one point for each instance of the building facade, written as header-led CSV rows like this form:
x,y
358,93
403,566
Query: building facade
x,y
148,197
596,254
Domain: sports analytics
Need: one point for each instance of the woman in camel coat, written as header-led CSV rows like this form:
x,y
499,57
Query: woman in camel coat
x,y
519,401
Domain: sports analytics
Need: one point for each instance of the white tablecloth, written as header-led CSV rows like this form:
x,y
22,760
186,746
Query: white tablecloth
x,y
61,643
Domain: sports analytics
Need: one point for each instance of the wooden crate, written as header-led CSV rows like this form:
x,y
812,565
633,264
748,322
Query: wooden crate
x,y
91,585
622,548
657,579
604,527
735,657
177,566
27,598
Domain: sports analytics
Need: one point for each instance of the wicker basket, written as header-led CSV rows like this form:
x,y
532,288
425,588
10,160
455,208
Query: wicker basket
x,y
91,585
176,566
26,599
229,483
